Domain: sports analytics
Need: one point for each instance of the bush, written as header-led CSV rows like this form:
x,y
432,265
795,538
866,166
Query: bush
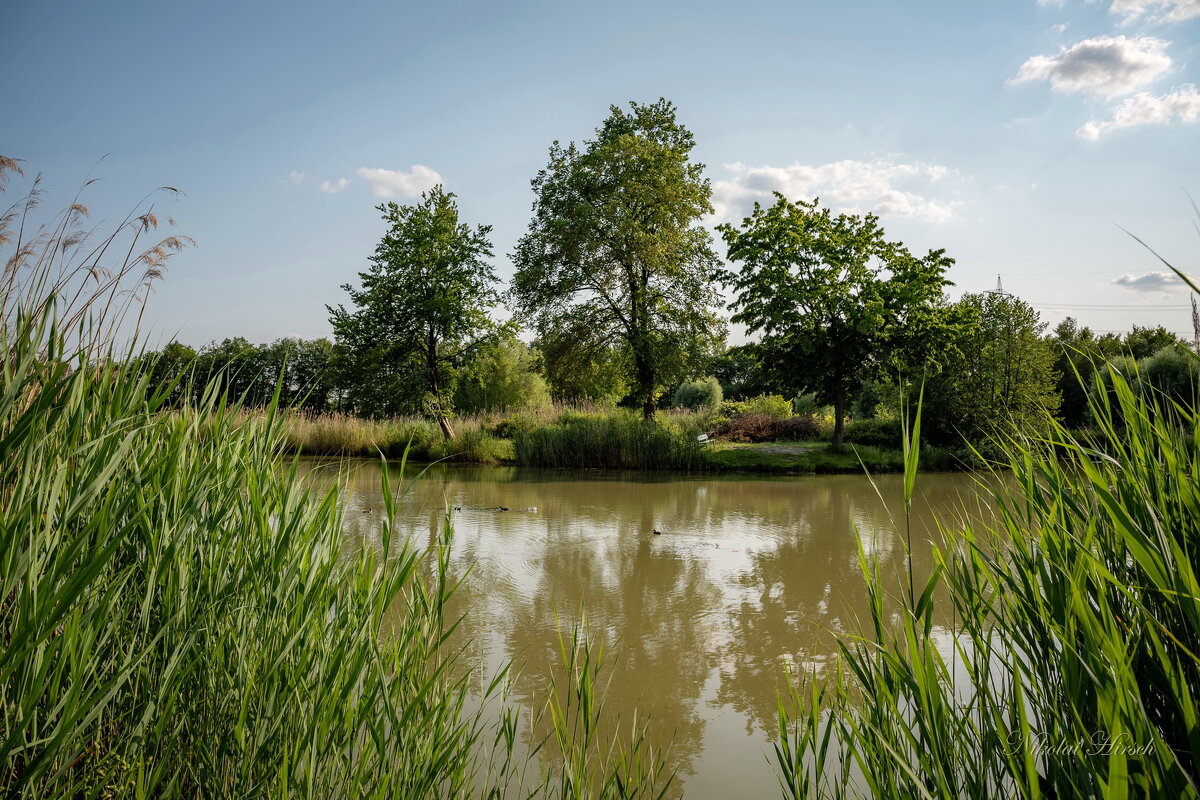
x,y
703,393
875,432
807,405
764,428
1172,371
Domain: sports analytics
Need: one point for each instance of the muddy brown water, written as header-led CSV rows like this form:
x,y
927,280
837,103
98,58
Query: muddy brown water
x,y
748,577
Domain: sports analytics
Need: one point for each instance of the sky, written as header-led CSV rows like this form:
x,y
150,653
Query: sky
x,y
1028,139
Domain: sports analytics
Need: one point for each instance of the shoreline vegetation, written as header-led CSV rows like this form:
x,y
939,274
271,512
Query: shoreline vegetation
x,y
610,439
179,616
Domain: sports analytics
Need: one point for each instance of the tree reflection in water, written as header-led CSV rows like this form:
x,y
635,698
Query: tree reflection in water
x,y
749,576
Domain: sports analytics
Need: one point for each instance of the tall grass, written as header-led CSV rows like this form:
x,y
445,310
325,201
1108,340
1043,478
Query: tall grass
x,y
617,439
180,618
1074,668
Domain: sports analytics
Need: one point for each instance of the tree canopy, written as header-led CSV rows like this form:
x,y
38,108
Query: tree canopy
x,y
834,301
1000,378
424,305
615,256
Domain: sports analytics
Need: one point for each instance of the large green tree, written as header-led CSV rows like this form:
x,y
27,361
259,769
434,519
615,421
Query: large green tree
x,y
834,301
1000,379
424,306
615,256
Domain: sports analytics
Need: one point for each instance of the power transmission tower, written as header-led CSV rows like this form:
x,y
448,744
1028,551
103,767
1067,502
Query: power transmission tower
x,y
999,288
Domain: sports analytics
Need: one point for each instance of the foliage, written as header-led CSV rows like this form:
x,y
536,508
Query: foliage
x,y
502,376
766,428
581,371
875,432
424,306
740,372
617,439
835,301
615,258
769,405
702,393
1145,342
1175,373
1072,669
998,381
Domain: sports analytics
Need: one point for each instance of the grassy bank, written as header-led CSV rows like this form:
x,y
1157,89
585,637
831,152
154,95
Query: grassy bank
x,y
598,439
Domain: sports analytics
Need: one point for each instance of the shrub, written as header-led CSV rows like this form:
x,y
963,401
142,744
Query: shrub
x,y
703,393
771,405
797,429
806,404
877,432
765,428
1173,372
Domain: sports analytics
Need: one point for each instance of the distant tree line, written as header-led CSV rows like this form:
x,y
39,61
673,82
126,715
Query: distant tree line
x,y
617,287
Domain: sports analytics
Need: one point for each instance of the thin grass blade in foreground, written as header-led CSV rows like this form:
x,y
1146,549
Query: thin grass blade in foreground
x,y
1078,656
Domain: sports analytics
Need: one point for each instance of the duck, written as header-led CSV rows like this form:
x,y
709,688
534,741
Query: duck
x,y
657,532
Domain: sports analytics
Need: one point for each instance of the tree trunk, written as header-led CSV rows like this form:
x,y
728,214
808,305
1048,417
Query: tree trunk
x,y
435,388
839,418
645,380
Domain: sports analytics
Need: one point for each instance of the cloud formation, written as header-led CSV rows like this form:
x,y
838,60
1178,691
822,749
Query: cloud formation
x,y
333,187
855,186
1181,104
1108,66
389,183
1161,281
296,176
1155,11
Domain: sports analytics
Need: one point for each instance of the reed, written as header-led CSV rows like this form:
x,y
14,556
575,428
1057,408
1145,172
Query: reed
x,y
1073,669
617,439
181,618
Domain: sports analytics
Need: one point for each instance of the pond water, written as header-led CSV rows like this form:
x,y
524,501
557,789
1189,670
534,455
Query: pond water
x,y
748,576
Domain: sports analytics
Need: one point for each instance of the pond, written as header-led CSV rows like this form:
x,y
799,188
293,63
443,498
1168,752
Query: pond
x,y
746,578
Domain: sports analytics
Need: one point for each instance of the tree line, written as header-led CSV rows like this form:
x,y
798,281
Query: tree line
x,y
618,282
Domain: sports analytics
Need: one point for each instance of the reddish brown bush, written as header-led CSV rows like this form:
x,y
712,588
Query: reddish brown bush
x,y
764,428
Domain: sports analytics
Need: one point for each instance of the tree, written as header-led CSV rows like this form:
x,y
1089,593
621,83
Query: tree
x,y
1000,379
578,373
615,257
1077,356
834,301
1145,342
503,376
424,306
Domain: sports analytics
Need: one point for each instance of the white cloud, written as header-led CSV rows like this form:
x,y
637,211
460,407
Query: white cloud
x,y
1161,281
1109,66
855,186
296,177
333,187
389,183
1182,104
1155,11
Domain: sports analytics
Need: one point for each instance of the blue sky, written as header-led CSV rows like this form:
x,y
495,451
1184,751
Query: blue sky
x,y
1016,135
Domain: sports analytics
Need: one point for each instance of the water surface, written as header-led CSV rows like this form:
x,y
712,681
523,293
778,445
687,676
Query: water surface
x,y
747,577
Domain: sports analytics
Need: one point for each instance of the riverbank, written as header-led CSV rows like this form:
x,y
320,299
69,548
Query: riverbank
x,y
597,439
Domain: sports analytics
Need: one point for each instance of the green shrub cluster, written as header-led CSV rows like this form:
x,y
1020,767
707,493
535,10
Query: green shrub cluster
x,y
771,405
703,393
